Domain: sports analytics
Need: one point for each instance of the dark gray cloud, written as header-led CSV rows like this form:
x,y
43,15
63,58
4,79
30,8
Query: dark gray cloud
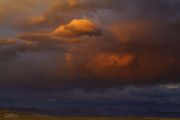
x,y
142,101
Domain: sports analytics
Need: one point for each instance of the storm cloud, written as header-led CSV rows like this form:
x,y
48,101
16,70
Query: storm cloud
x,y
92,44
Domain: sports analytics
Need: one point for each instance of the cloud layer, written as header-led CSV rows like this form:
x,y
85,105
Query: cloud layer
x,y
92,44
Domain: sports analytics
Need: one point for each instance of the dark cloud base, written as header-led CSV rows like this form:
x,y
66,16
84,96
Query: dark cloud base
x,y
156,101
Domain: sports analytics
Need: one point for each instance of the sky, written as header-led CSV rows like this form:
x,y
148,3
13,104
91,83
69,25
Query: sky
x,y
90,45
79,43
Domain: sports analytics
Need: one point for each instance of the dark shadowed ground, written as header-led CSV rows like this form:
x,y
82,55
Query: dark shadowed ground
x,y
7,115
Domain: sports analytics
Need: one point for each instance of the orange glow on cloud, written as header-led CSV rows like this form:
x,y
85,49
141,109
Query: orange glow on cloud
x,y
70,33
68,57
107,60
76,27
72,2
111,65
7,41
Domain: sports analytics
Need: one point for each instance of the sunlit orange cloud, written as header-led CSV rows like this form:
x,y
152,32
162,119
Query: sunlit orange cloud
x,y
72,2
110,60
112,66
70,33
76,28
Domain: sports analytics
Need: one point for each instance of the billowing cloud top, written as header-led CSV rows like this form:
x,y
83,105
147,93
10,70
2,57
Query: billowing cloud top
x,y
77,27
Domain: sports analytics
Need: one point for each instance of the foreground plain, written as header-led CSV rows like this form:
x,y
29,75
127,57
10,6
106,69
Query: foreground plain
x,y
7,115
